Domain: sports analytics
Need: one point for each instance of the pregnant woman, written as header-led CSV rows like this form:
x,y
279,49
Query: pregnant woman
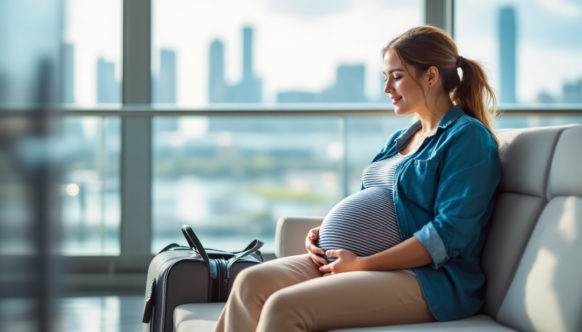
x,y
406,248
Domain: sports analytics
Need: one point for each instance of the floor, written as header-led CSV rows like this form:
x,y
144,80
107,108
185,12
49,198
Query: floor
x,y
102,314
76,314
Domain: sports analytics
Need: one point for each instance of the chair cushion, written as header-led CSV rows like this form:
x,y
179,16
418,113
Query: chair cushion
x,y
478,323
565,176
526,157
545,293
201,317
513,221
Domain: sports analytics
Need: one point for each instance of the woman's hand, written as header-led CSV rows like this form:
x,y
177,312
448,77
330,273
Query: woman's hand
x,y
313,250
346,261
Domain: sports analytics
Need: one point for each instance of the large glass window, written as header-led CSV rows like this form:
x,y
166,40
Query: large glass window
x,y
91,76
530,49
90,189
232,178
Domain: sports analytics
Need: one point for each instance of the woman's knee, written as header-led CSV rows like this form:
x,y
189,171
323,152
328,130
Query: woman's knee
x,y
284,307
250,281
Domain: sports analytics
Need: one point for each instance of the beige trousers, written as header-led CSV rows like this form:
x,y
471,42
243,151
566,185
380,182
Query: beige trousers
x,y
289,294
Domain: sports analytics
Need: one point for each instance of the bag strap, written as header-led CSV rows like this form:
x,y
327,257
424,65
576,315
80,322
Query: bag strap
x,y
149,303
254,246
169,247
196,245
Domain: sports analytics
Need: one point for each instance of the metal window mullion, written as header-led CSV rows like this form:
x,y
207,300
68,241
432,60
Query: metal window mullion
x,y
440,13
136,142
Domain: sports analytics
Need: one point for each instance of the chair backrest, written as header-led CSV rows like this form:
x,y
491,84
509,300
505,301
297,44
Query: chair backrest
x,y
533,254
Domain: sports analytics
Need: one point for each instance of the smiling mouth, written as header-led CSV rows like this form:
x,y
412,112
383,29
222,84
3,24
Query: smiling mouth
x,y
395,100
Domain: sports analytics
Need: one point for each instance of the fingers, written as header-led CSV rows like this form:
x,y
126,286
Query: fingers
x,y
327,269
333,253
318,260
313,233
312,248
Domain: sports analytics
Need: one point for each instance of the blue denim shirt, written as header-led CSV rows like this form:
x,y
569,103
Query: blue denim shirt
x,y
443,195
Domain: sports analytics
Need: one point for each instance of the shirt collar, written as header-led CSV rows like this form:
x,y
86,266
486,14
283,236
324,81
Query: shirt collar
x,y
451,116
448,119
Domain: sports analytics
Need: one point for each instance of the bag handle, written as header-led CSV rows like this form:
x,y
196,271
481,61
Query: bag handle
x,y
254,246
196,245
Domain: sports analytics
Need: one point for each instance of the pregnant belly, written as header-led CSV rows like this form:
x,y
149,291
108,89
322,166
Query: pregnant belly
x,y
363,223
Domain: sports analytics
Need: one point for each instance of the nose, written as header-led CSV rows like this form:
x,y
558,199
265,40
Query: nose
x,y
388,87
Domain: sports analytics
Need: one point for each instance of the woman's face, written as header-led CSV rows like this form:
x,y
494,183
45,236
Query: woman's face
x,y
406,95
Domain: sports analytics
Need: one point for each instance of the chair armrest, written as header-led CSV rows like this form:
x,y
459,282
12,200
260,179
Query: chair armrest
x,y
290,234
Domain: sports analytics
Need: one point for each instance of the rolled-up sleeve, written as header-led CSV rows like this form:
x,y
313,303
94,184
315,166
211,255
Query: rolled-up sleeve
x,y
433,243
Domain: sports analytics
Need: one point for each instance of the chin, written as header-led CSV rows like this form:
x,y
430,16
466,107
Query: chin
x,y
401,110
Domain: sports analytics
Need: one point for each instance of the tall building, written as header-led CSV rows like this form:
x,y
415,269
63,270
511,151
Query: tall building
x,y
507,54
217,87
572,92
164,91
349,87
249,89
67,73
108,89
247,53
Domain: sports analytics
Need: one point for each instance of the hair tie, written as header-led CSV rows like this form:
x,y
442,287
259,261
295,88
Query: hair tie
x,y
459,61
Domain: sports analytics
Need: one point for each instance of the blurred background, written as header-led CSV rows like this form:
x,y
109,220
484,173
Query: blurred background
x,y
121,120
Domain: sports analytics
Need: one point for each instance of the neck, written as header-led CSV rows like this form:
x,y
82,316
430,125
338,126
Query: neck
x,y
431,117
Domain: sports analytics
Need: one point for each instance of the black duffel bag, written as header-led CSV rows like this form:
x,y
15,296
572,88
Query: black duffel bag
x,y
194,274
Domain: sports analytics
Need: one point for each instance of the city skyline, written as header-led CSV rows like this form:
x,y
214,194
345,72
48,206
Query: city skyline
x,y
298,47
164,85
348,84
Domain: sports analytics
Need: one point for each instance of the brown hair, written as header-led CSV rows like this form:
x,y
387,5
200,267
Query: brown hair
x,y
425,46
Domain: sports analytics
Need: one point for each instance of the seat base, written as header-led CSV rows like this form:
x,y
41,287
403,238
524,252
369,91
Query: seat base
x,y
203,316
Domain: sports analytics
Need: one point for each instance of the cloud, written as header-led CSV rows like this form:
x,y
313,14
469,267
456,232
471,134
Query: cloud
x,y
562,7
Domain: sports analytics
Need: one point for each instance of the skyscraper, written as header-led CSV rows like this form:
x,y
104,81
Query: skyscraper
x,y
350,81
107,87
250,88
247,53
166,89
507,54
68,73
217,88
572,92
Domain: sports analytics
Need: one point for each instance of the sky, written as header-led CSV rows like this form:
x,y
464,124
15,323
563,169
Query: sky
x,y
298,44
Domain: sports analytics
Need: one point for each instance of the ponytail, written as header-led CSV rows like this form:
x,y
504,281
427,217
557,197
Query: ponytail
x,y
474,94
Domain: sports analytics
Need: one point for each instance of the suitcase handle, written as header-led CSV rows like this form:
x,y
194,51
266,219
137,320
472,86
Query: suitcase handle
x,y
251,248
195,243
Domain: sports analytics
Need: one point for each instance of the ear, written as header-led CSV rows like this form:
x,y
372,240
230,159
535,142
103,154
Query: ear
x,y
432,76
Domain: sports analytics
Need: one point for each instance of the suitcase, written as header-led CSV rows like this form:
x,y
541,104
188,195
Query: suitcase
x,y
193,274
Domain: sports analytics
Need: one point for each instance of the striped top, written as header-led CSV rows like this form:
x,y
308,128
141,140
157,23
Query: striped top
x,y
365,223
